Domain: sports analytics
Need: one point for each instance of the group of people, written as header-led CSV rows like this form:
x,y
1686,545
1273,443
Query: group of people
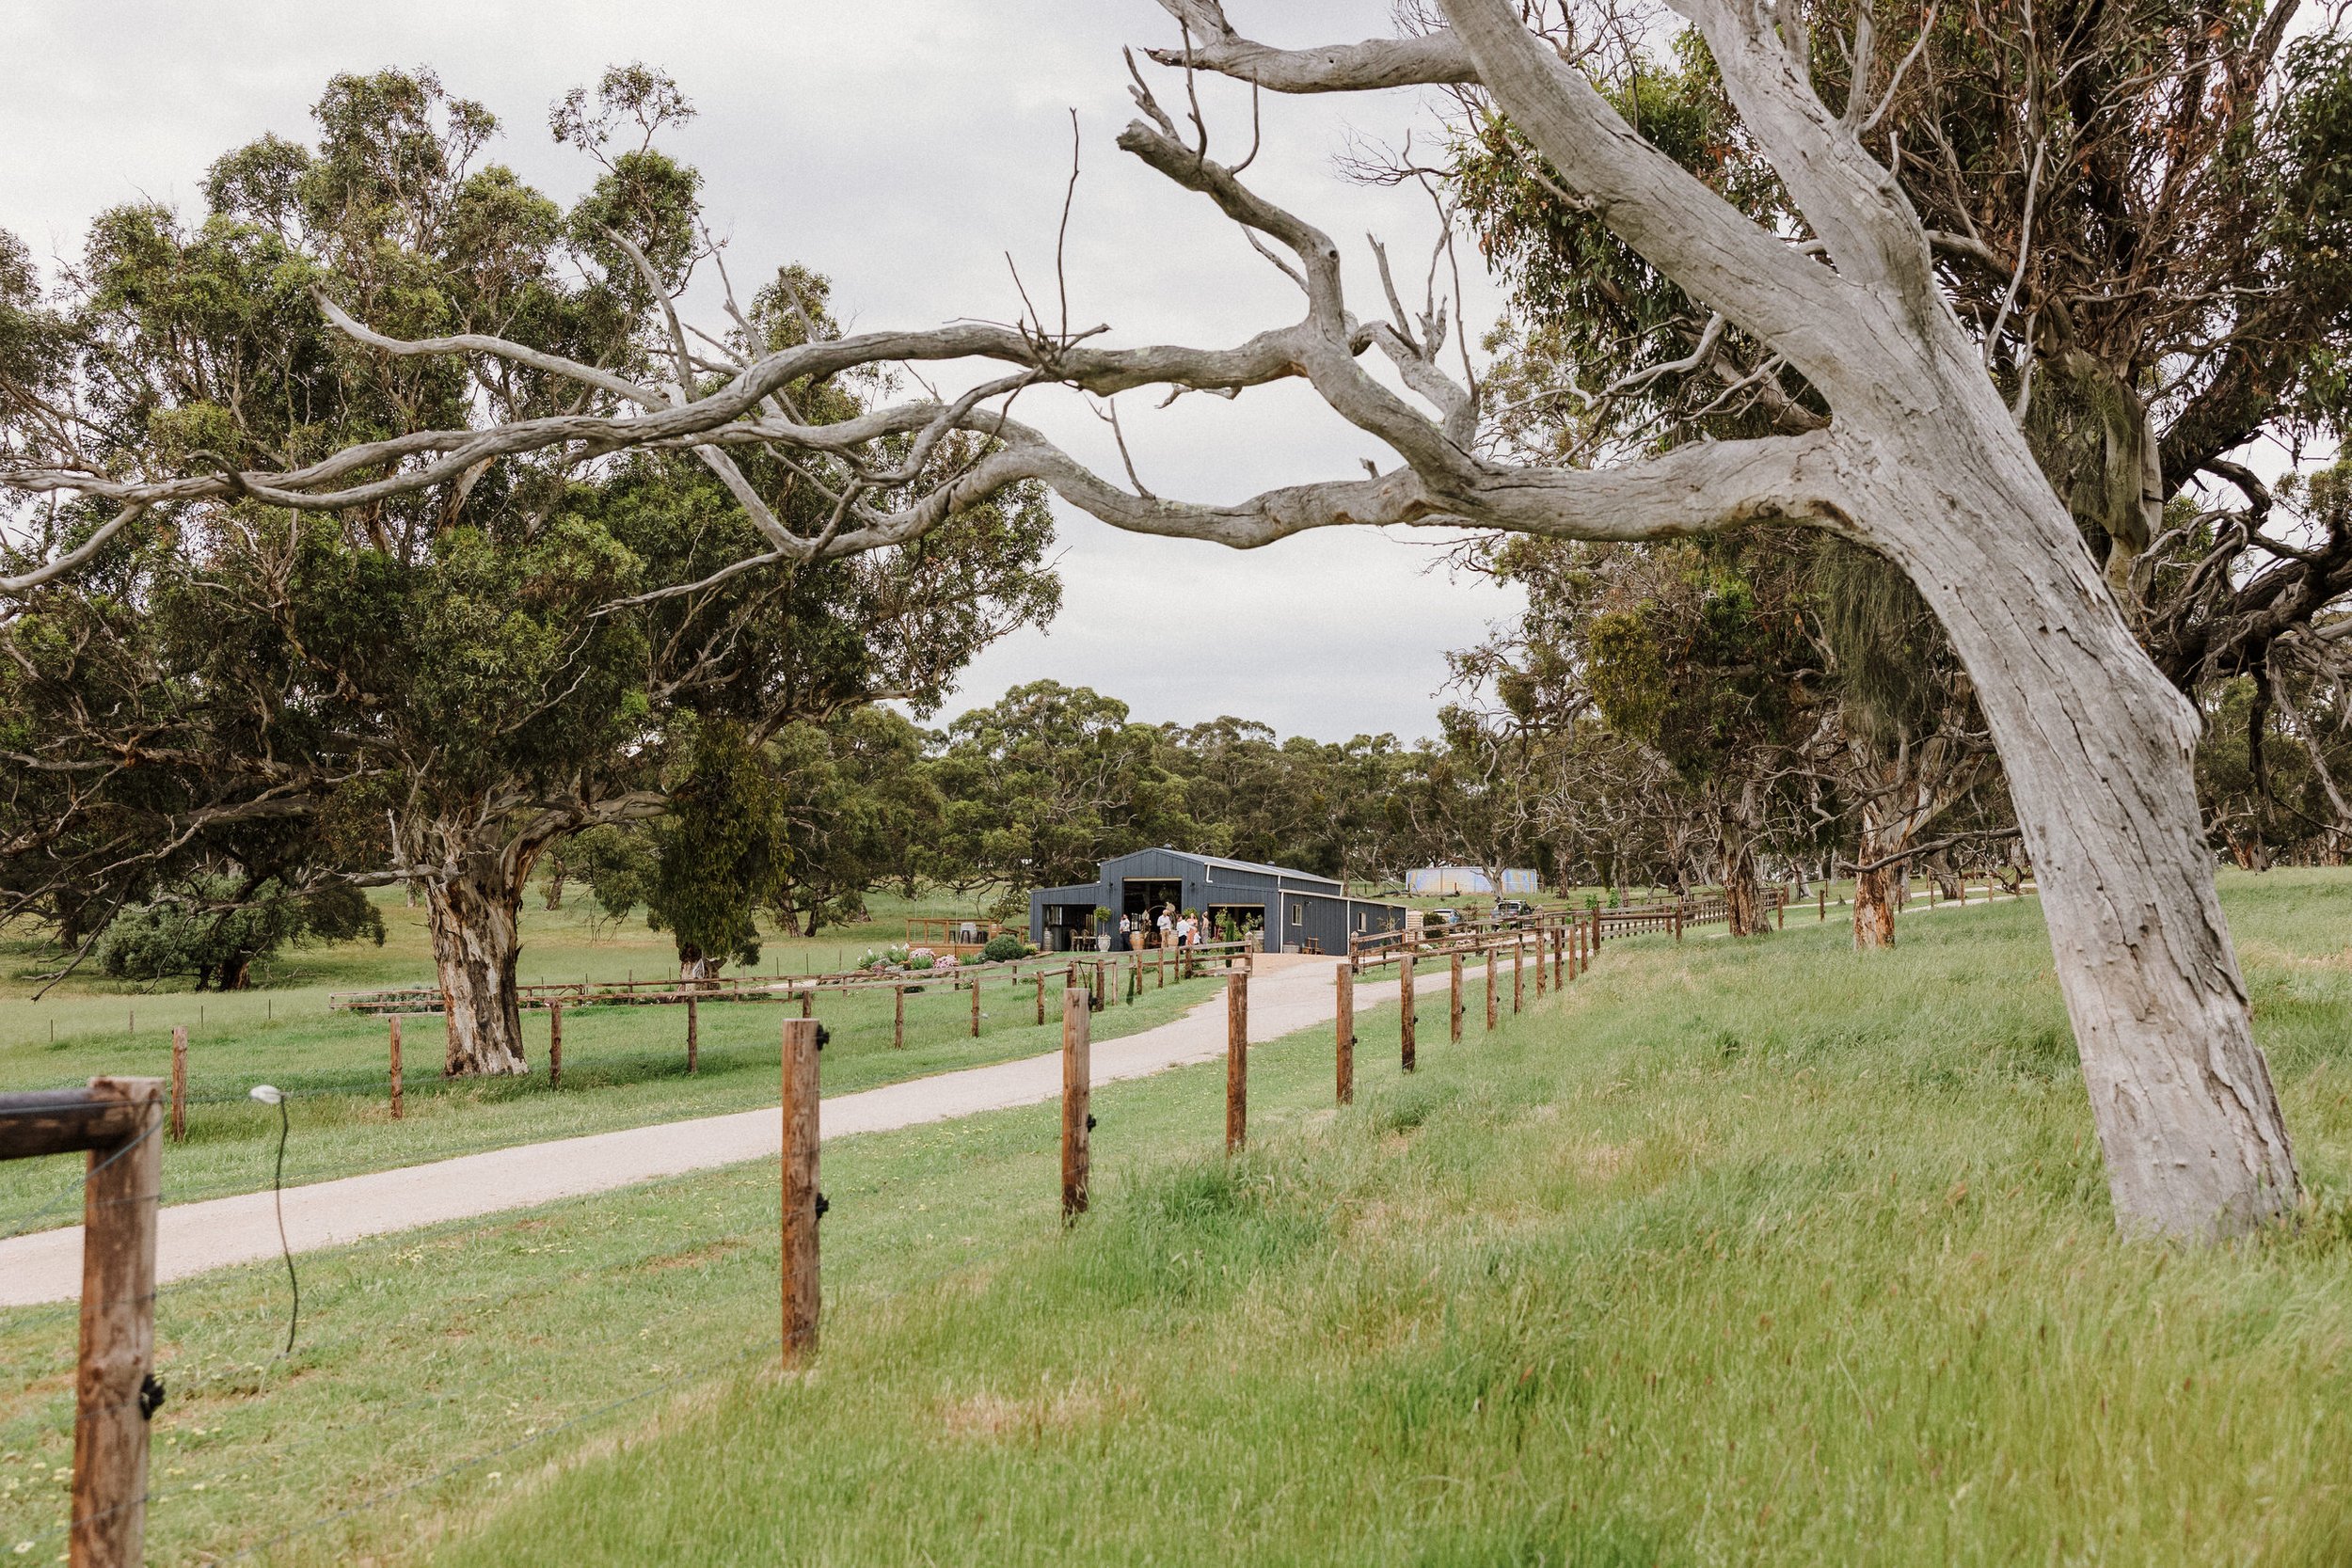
x,y
1175,927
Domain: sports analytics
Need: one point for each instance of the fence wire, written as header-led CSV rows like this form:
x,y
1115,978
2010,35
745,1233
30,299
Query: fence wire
x,y
189,1382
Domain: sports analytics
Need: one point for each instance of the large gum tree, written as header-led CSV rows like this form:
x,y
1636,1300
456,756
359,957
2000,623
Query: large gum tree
x,y
1919,459
436,686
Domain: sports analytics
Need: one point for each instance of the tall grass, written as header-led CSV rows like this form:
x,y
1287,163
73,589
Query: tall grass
x,y
1769,1252
1755,1253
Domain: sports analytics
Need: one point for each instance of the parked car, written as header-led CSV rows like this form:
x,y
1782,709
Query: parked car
x,y
1505,906
1442,917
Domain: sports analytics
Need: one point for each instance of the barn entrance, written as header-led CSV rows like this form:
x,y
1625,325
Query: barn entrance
x,y
1141,900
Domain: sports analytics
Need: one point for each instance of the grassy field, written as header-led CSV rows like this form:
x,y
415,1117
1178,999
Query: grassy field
x,y
1766,1253
623,1067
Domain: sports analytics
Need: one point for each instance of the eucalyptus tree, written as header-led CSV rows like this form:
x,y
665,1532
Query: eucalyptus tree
x,y
2138,211
2146,302
1913,758
1355,809
1916,452
433,688
1921,454
1050,780
1702,656
862,809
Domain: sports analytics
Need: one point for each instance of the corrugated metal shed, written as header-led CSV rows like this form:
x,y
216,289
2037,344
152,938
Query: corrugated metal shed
x,y
1297,910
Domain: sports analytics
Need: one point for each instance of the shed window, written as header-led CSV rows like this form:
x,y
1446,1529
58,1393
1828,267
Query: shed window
x,y
1298,914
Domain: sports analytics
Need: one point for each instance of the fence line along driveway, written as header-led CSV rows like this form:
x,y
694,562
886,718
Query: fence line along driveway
x,y
1287,994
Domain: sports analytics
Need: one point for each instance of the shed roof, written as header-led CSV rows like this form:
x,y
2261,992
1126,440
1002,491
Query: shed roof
x,y
1223,863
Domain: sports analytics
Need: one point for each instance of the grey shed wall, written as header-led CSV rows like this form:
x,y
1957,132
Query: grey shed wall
x,y
1299,907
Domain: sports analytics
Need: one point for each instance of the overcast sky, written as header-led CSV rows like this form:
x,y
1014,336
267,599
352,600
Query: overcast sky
x,y
904,150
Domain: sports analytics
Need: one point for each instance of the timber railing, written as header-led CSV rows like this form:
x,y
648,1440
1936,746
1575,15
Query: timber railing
x,y
1427,938
1652,917
1202,958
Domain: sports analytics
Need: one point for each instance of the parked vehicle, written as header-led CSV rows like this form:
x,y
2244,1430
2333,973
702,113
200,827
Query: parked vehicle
x,y
1505,906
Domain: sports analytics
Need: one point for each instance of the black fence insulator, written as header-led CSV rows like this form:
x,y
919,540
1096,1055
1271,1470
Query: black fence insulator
x,y
1089,1122
150,1396
823,1035
823,1207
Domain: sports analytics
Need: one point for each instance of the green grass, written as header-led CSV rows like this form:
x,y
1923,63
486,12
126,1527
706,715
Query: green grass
x,y
1758,1253
623,1067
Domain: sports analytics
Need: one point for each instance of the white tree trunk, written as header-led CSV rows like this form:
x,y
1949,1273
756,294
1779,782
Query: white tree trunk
x,y
2097,746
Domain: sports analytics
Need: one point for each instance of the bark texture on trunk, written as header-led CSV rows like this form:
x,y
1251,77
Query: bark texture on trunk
x,y
476,943
1743,909
2098,747
1873,909
1923,460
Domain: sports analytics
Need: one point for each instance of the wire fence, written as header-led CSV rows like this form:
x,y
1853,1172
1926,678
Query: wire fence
x,y
199,1306
220,1347
600,1071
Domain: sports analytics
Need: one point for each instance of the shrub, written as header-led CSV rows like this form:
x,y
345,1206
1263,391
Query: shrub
x,y
217,925
921,960
1004,947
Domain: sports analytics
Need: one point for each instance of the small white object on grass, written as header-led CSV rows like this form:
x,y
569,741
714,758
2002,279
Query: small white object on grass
x,y
268,1094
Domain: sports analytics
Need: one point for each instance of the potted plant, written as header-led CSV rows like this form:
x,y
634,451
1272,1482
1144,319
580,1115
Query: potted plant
x,y
1102,928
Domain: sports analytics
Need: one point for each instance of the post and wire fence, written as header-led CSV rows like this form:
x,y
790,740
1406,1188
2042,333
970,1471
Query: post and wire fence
x,y
121,1125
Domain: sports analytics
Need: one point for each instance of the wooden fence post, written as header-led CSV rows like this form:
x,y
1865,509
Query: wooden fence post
x,y
555,1045
1518,976
899,1012
808,1002
395,1065
1561,970
1820,899
693,1039
1078,1090
179,1083
1236,1062
1678,919
111,1406
1345,983
1041,999
1491,1000
1781,911
976,1009
803,1203
1541,978
1406,1019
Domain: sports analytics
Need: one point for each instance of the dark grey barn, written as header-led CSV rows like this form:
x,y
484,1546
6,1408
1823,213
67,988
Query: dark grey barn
x,y
1296,909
